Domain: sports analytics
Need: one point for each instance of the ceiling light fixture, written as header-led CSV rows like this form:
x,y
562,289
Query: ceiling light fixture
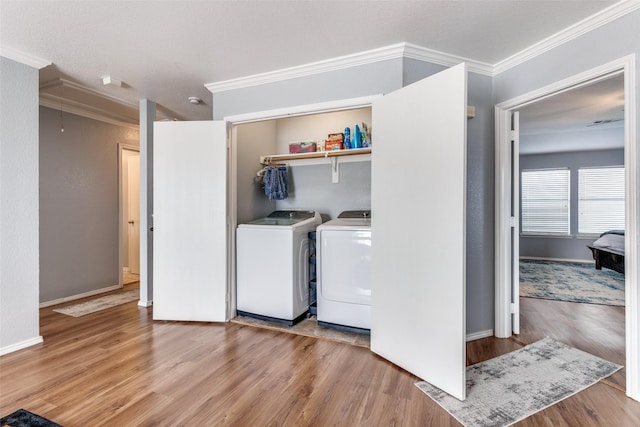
x,y
195,100
108,81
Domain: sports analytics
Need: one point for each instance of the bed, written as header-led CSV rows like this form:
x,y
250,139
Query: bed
x,y
608,250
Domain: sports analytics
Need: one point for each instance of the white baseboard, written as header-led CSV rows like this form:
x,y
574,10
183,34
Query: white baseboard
x,y
481,334
19,346
145,303
78,296
535,258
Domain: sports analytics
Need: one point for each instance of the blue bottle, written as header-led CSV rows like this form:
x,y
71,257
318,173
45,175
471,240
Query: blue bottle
x,y
347,138
357,138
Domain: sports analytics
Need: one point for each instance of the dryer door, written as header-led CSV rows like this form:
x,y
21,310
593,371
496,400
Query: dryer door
x,y
344,259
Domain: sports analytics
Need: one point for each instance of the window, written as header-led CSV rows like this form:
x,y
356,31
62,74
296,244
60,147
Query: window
x,y
545,201
600,199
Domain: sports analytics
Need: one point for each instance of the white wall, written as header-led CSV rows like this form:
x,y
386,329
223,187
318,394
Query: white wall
x,y
79,227
19,315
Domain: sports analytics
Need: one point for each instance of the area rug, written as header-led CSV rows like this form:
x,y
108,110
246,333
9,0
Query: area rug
x,y
98,304
511,387
574,282
308,327
24,418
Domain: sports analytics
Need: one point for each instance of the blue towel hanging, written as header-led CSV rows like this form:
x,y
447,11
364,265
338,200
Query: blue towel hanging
x,y
276,186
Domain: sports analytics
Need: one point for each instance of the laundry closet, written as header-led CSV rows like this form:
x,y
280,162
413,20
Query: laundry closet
x,y
280,264
310,180
414,182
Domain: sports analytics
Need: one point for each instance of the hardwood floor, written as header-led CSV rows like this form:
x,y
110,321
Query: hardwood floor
x,y
120,368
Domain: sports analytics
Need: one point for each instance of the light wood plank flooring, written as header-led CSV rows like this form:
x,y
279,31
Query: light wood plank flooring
x,y
120,368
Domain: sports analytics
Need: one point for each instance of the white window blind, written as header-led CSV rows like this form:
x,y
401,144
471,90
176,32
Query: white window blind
x,y
545,201
600,199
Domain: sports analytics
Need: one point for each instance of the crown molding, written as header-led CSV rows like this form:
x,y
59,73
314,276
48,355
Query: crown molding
x,y
99,106
333,64
420,53
23,57
594,21
395,51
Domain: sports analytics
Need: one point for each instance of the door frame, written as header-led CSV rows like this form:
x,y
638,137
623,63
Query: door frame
x,y
503,247
122,147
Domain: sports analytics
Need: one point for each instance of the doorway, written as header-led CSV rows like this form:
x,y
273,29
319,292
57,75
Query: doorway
x,y
129,213
505,221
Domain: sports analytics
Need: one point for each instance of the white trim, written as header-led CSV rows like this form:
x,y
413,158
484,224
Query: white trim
x,y
632,226
145,303
385,53
574,31
302,110
19,346
478,335
626,65
79,296
122,147
420,53
24,58
56,102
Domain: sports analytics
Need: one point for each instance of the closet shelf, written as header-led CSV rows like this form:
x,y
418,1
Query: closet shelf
x,y
319,155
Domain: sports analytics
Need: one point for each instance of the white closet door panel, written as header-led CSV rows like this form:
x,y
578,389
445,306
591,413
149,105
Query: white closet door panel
x,y
418,224
190,221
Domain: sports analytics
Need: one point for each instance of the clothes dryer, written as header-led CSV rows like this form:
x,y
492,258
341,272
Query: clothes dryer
x,y
273,265
344,271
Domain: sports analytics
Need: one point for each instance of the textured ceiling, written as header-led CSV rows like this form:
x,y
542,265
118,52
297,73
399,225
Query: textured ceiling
x,y
167,50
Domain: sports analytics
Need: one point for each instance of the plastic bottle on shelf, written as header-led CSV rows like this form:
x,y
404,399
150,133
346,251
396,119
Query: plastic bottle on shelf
x,y
347,138
356,141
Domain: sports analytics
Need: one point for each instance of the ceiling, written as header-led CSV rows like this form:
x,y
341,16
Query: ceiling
x,y
595,106
166,51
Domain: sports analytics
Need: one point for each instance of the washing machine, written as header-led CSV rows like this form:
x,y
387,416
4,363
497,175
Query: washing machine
x,y
272,262
343,261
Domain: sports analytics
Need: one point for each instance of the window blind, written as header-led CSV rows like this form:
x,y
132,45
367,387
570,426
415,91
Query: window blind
x,y
545,201
600,199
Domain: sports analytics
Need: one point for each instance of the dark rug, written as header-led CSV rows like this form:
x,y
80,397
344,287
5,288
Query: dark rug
x,y
573,282
24,418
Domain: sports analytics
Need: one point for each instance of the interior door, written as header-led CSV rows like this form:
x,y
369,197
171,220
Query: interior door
x,y
418,229
515,223
190,221
133,205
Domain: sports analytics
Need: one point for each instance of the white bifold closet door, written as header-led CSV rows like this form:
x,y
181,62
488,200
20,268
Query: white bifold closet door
x,y
190,221
418,228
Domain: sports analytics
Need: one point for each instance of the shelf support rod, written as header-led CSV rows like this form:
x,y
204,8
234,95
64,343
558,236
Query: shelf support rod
x,y
335,170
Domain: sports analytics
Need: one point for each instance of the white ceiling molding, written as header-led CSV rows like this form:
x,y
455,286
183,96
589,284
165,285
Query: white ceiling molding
x,y
23,58
399,50
70,97
341,62
576,30
442,58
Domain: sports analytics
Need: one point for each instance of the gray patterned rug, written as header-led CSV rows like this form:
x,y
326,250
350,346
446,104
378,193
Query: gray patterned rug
x,y
511,387
574,282
98,304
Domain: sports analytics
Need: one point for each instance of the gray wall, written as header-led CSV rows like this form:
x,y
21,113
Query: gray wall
x,y
78,204
19,316
573,247
253,140
383,78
